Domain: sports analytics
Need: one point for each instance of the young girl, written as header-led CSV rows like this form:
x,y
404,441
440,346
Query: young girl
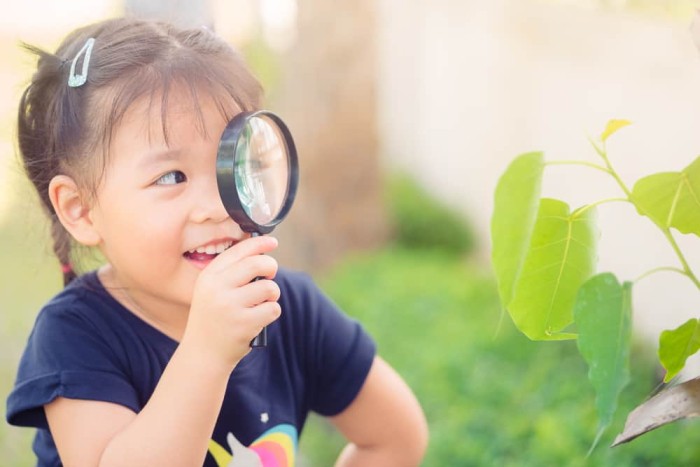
x,y
146,361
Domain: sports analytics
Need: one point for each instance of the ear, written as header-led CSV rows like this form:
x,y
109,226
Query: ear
x,y
72,210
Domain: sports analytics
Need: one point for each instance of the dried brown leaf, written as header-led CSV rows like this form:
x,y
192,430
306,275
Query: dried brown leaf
x,y
676,403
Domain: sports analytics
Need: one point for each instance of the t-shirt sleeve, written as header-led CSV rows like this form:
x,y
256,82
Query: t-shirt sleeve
x,y
65,357
339,352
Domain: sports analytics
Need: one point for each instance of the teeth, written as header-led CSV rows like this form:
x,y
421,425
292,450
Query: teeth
x,y
212,249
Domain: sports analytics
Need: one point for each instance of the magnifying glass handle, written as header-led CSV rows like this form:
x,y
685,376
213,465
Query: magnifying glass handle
x,y
261,339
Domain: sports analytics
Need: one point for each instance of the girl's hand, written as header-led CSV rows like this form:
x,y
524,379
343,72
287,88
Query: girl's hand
x,y
228,307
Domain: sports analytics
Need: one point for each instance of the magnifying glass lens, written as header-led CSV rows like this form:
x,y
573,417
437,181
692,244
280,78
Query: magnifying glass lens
x,y
261,169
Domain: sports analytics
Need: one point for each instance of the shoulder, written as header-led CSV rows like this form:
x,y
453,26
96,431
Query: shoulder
x,y
298,291
74,350
81,303
71,303
302,298
83,323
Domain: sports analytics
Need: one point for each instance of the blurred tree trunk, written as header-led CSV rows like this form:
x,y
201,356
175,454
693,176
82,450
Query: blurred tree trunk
x,y
327,96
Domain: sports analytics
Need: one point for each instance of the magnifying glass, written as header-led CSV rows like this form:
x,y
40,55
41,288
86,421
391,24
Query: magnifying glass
x,y
257,173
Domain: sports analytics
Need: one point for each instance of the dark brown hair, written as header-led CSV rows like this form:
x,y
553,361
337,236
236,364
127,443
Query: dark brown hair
x,y
65,130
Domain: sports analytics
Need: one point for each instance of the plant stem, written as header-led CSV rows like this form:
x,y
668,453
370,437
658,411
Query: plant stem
x,y
584,163
660,269
667,232
681,257
585,208
604,155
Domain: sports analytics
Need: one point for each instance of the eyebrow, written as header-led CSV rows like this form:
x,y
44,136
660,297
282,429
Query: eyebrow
x,y
159,155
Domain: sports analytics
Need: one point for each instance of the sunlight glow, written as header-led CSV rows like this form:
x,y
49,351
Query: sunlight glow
x,y
279,22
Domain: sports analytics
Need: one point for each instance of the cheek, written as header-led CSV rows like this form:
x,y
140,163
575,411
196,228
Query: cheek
x,y
160,231
140,228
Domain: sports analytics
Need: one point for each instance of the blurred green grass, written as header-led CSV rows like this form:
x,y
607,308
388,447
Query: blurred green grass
x,y
28,277
492,397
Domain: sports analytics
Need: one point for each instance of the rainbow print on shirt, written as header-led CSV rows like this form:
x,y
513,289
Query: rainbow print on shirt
x,y
275,448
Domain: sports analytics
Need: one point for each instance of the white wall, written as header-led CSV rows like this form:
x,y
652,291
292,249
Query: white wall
x,y
466,85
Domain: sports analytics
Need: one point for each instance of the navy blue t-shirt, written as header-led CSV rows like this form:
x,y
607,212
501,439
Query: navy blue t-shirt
x,y
86,345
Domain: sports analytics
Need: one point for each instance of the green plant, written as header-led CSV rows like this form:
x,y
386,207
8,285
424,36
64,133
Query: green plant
x,y
544,258
421,221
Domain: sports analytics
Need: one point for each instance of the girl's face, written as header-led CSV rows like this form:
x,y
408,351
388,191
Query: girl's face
x,y
158,210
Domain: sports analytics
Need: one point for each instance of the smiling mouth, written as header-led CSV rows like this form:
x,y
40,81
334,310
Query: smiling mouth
x,y
208,252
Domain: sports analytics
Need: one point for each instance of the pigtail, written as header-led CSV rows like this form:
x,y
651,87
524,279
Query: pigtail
x,y
42,141
62,249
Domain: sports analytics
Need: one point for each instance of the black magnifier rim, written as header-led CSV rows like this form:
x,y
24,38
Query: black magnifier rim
x,y
225,163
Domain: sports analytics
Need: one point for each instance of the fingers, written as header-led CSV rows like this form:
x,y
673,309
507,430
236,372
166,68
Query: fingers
x,y
264,314
253,246
264,290
256,292
244,262
248,270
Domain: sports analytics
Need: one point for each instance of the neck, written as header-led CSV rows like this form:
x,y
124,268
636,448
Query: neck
x,y
167,317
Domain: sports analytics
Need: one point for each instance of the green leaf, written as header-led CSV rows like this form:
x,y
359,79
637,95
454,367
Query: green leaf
x,y
671,199
603,314
561,257
612,127
515,209
675,346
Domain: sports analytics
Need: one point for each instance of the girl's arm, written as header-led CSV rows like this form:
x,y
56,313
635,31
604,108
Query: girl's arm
x,y
228,310
173,429
384,424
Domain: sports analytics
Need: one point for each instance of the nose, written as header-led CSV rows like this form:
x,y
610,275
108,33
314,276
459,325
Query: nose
x,y
207,203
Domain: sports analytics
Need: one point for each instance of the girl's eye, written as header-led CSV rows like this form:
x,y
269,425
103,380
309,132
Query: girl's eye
x,y
172,178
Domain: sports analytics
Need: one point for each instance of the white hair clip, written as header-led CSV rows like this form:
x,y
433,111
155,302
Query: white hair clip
x,y
75,81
